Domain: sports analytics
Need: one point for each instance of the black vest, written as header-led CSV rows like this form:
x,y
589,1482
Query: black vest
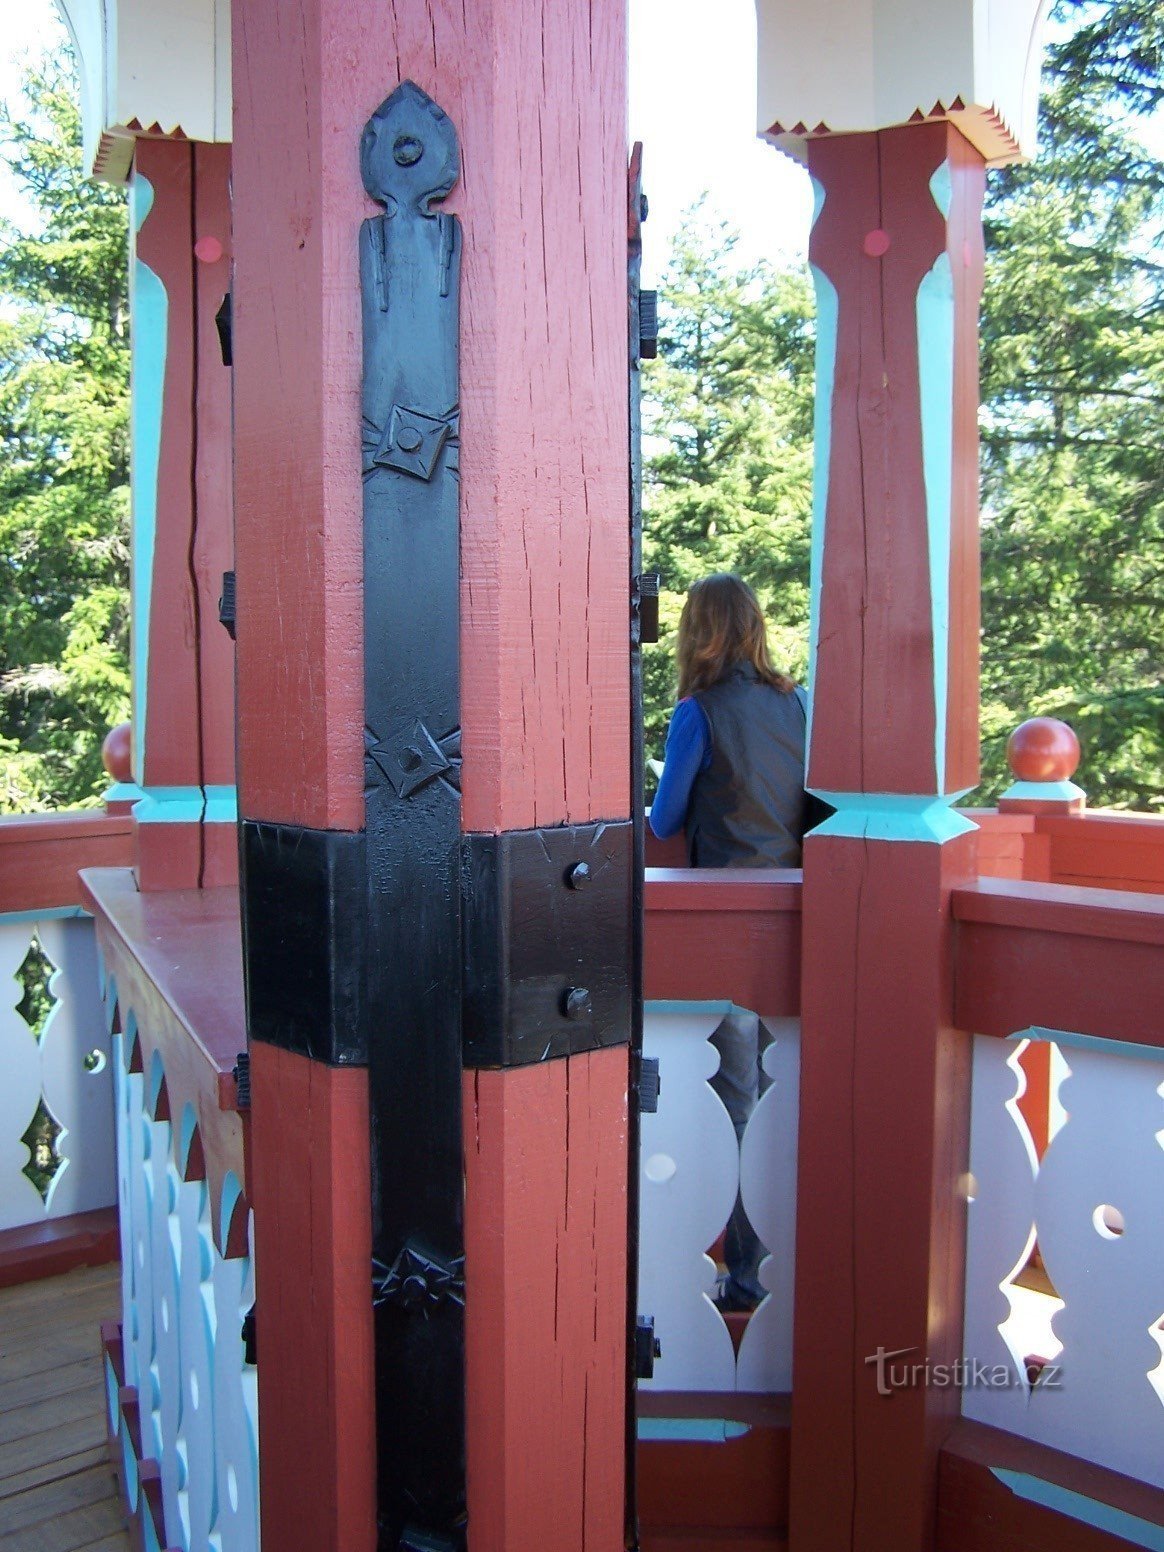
x,y
748,809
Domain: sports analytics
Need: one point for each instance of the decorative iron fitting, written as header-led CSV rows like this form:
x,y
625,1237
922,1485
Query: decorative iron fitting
x,y
418,1282
547,923
410,259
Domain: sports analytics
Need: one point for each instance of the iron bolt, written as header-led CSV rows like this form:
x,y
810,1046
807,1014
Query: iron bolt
x,y
577,1003
578,877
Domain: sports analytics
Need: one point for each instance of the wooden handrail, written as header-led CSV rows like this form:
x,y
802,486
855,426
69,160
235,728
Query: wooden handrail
x,y
724,934
41,855
1059,957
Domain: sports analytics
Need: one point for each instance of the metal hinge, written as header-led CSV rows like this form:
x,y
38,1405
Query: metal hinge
x,y
646,605
647,1085
226,604
250,1336
648,325
241,1073
647,1347
223,322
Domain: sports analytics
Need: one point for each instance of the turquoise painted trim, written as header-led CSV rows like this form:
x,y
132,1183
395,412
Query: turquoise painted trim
x,y
149,322
1088,1511
123,792
692,1430
186,805
720,1009
170,805
942,189
221,805
1097,1043
54,913
818,199
935,362
891,816
827,313
1044,791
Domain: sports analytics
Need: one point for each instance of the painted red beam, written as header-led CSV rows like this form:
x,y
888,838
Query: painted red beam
x,y
40,855
716,933
985,1475
1087,960
176,959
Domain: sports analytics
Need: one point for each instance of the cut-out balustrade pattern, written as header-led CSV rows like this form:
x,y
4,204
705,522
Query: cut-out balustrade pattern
x,y
1094,1205
190,1391
690,1169
58,1067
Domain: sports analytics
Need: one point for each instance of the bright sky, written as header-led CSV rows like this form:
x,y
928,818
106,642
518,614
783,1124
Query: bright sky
x,y
691,104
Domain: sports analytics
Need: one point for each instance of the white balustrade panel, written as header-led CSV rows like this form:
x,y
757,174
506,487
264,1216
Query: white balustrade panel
x,y
182,1313
1094,1203
689,1176
78,1093
768,1189
1000,1229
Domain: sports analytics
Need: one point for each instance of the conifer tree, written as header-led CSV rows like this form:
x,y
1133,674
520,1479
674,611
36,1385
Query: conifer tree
x,y
64,451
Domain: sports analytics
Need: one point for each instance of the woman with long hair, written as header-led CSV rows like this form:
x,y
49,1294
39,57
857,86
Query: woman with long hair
x,y
733,771
733,779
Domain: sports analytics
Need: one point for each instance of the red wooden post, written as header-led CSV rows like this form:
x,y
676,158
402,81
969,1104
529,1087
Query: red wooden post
x,y
183,721
537,94
885,1081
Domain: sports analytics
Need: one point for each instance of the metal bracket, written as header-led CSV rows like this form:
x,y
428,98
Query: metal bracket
x,y
547,942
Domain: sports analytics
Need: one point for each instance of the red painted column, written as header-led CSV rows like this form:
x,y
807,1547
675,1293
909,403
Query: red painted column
x,y
183,721
537,94
885,1079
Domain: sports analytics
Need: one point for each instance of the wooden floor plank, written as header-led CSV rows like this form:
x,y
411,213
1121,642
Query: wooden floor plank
x,y
52,1412
53,1471
57,1489
55,1381
67,1532
57,1497
67,1347
81,1433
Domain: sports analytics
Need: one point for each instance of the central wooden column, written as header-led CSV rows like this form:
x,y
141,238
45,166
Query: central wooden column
x,y
897,256
536,92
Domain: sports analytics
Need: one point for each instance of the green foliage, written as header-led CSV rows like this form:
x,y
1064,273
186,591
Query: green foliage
x,y
1072,434
727,445
64,498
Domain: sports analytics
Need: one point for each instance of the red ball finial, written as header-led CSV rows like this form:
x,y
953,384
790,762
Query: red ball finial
x,y
116,753
1043,749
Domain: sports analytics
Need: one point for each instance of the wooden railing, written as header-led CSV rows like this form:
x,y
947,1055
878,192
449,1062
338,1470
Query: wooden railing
x,y
57,1174
1030,959
182,1393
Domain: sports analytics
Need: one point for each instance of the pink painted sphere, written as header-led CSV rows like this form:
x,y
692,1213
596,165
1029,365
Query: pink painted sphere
x,y
208,249
1043,749
116,752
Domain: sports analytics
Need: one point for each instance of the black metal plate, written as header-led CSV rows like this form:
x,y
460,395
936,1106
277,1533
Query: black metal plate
x,y
530,939
303,894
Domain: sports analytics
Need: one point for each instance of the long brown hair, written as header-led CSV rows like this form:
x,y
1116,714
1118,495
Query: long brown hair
x,y
721,624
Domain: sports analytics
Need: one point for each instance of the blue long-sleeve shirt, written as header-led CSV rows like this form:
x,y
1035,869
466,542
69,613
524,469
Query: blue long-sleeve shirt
x,y
688,751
